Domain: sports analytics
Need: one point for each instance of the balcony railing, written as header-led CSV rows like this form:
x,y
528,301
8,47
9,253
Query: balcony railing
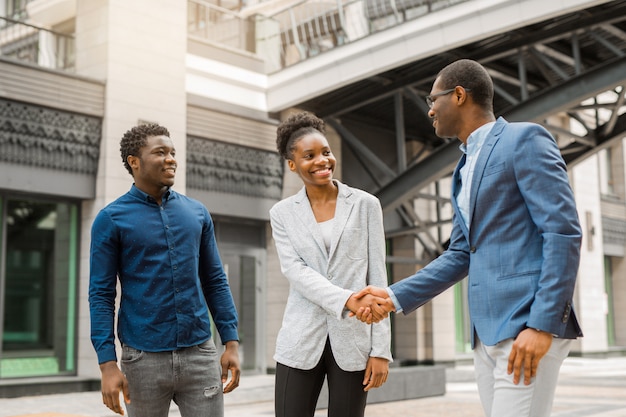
x,y
303,29
35,45
282,37
220,25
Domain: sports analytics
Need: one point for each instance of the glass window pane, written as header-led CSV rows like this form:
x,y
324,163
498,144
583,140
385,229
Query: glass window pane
x,y
39,288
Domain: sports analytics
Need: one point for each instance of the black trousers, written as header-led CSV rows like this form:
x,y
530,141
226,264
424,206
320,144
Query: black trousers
x,y
297,390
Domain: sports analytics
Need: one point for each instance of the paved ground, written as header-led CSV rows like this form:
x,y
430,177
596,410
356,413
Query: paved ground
x,y
587,388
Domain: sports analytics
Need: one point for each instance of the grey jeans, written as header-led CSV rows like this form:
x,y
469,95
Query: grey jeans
x,y
191,377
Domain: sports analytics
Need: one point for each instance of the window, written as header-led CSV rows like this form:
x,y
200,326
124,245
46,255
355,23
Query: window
x,y
606,172
38,254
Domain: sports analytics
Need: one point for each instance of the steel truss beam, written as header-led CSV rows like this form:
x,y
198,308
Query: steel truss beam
x,y
570,79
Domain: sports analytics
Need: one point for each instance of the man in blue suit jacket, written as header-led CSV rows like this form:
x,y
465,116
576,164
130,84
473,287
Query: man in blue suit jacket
x,y
516,236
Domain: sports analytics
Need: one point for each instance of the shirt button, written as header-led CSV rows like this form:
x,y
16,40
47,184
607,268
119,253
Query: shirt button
x,y
473,249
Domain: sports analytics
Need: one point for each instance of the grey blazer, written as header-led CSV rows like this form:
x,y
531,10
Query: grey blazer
x,y
321,282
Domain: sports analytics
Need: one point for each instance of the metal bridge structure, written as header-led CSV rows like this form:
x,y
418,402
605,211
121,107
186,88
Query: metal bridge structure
x,y
558,63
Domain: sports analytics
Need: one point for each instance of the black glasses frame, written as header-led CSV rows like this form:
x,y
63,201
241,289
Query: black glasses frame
x,y
430,98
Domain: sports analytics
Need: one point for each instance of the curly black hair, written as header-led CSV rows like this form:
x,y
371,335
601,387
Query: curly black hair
x,y
135,139
295,127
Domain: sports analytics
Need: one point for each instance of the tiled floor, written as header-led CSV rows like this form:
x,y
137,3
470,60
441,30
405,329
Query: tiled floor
x,y
587,388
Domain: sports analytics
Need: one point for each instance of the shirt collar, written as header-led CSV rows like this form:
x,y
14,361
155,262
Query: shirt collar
x,y
476,139
146,197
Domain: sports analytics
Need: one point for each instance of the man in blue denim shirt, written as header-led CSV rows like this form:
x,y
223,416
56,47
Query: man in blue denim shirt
x,y
161,246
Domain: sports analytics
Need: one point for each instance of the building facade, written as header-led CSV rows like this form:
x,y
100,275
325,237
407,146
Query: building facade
x,y
76,74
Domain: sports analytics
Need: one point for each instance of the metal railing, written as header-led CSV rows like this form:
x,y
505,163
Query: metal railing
x,y
220,25
282,38
35,45
305,28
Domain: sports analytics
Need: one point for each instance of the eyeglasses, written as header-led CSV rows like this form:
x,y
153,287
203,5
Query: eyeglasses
x,y
430,98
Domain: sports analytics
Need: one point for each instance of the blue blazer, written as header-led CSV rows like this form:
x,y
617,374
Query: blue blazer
x,y
522,249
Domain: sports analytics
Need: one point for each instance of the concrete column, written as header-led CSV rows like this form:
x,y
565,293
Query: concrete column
x,y
405,327
619,263
619,300
138,49
443,327
591,308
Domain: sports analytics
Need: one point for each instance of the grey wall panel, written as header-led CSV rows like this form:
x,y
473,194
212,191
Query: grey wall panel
x,y
36,180
229,128
49,88
232,205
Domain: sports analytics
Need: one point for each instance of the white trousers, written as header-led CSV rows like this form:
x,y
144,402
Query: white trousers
x,y
500,397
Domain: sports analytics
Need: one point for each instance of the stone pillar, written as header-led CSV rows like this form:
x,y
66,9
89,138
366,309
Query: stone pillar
x,y
443,327
405,327
590,308
138,49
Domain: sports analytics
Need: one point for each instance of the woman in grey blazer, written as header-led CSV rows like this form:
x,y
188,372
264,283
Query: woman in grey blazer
x,y
330,242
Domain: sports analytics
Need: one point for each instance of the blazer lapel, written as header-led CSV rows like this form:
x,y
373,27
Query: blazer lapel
x,y
345,202
304,214
456,187
481,162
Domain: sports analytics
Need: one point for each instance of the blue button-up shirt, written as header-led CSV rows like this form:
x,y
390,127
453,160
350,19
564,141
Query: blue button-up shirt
x,y
471,150
170,275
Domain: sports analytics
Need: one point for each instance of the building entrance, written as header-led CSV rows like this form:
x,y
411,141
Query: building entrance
x,y
38,258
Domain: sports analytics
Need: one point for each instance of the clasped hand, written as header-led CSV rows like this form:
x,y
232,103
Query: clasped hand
x,y
370,305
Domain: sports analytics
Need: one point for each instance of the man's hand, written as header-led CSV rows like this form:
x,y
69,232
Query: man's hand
x,y
371,314
529,347
230,362
376,373
112,381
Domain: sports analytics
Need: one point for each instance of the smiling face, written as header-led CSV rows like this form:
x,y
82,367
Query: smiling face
x,y
444,111
313,160
154,168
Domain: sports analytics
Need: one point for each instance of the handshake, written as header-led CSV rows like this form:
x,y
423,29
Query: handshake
x,y
370,305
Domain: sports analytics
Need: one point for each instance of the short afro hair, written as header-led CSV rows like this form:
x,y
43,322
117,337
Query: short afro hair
x,y
295,127
473,77
135,139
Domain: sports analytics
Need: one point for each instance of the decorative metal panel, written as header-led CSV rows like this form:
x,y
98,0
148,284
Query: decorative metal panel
x,y
234,169
40,137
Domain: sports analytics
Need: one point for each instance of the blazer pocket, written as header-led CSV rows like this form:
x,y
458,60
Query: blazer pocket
x,y
362,336
494,169
507,276
354,244
288,337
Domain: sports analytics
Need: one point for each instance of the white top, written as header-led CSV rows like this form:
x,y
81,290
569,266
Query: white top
x,y
327,232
